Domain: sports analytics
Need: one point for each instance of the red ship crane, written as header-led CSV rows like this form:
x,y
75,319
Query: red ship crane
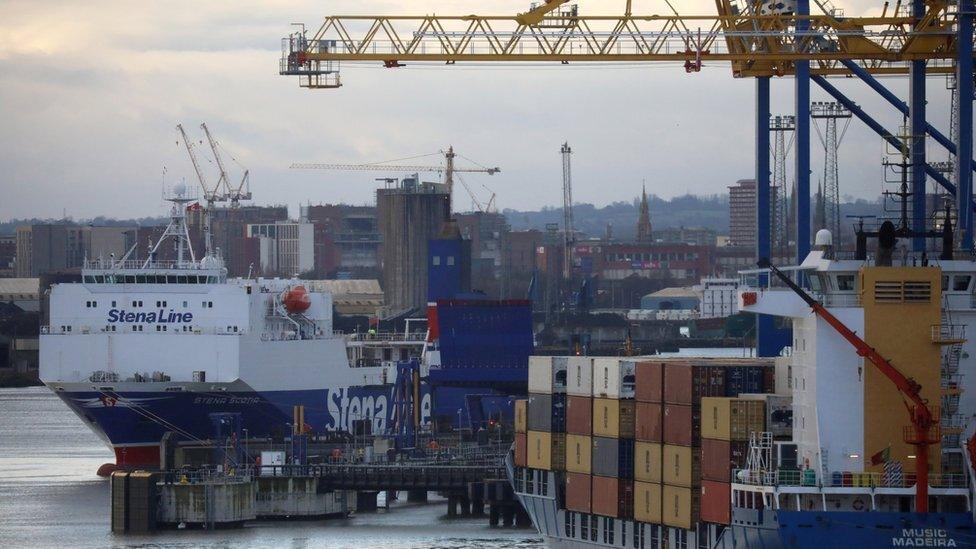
x,y
919,434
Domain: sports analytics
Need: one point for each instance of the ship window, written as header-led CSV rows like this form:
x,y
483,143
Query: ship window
x,y
960,283
815,283
113,304
129,279
436,260
140,279
845,283
584,526
593,528
159,328
171,279
181,279
450,260
88,279
184,303
99,279
945,282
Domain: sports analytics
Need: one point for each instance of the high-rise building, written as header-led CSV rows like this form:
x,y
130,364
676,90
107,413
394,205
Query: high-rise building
x,y
286,247
742,214
51,248
354,235
8,255
487,232
409,216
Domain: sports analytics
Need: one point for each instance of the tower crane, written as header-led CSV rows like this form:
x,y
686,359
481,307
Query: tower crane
x,y
449,170
234,193
211,194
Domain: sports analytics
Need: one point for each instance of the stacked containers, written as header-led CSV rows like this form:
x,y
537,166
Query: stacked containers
x,y
613,421
726,426
579,431
521,430
685,383
546,414
648,445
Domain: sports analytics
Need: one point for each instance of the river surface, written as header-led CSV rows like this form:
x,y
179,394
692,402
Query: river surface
x,y
50,496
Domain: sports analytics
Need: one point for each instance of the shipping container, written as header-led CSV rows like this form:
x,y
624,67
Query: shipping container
x,y
687,382
579,376
521,415
647,462
681,425
613,497
716,502
680,506
521,453
546,451
744,379
547,374
579,493
769,378
729,418
779,413
579,415
613,418
649,421
649,381
613,457
579,449
720,457
547,412
647,502
613,377
681,466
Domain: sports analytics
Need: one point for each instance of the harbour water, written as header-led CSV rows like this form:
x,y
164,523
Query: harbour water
x,y
51,497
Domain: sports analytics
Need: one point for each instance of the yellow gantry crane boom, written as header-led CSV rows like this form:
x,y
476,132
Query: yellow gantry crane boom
x,y
754,42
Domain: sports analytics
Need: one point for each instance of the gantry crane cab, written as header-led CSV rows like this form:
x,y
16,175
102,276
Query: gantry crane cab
x,y
924,429
297,59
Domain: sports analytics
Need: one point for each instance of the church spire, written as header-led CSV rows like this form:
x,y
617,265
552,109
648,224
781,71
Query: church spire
x,y
644,221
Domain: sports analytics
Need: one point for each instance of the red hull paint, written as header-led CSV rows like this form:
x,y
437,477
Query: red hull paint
x,y
132,457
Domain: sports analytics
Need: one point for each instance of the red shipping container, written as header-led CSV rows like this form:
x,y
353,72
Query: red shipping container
x,y
613,497
649,380
716,464
716,502
686,383
579,490
521,450
769,379
682,425
579,415
649,422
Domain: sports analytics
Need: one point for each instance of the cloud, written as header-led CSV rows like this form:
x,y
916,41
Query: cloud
x,y
90,94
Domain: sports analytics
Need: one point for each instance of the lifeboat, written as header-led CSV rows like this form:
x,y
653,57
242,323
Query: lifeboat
x,y
296,300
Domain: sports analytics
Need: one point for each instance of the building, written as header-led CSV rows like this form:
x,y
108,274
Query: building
x,y
352,234
742,214
8,256
286,248
487,232
698,236
643,220
48,248
672,299
718,297
409,216
617,261
24,293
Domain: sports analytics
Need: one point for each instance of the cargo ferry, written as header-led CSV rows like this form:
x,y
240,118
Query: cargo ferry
x,y
818,450
139,349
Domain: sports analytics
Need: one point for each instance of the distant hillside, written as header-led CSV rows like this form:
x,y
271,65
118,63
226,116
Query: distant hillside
x,y
711,212
10,227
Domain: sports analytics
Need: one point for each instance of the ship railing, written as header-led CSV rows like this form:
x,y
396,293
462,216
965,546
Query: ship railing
x,y
207,475
840,299
844,479
139,264
378,337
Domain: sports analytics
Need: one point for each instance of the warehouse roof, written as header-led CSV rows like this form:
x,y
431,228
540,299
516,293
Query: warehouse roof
x,y
19,289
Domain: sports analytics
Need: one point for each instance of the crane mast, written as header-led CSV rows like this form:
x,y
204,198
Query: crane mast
x,y
210,195
920,434
222,182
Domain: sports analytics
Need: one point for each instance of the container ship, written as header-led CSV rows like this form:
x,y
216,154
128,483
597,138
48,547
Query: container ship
x,y
140,349
818,447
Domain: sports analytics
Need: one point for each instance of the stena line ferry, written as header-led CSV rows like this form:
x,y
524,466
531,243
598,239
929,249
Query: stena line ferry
x,y
141,348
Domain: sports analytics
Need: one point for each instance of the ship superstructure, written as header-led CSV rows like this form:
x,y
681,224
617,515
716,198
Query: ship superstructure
x,y
141,348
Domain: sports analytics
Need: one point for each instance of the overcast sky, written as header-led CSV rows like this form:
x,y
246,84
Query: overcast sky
x,y
90,94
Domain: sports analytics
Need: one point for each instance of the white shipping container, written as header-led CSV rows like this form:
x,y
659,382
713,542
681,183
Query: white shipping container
x,y
613,377
547,374
579,376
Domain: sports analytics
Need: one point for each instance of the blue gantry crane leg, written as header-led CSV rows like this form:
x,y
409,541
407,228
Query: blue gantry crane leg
x,y
768,340
964,156
917,129
802,136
